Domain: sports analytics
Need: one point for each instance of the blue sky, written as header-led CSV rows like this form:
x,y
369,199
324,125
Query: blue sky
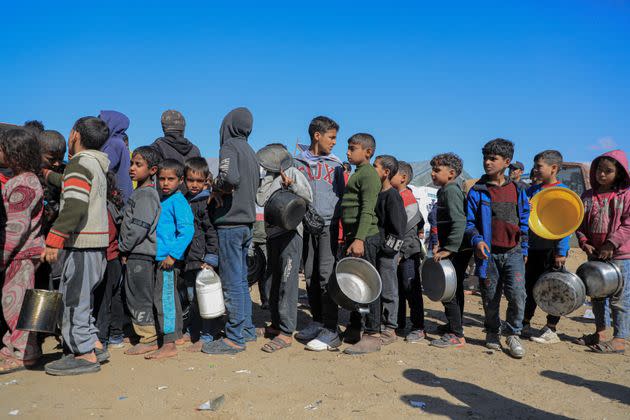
x,y
422,77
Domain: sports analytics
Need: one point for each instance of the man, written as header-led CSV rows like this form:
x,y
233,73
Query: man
x,y
516,172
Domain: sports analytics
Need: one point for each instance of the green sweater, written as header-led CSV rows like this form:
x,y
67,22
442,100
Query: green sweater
x,y
359,203
451,218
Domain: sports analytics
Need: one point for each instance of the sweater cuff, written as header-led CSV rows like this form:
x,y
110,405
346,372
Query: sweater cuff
x,y
55,239
211,259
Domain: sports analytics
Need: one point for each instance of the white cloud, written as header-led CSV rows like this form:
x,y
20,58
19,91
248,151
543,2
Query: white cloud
x,y
604,144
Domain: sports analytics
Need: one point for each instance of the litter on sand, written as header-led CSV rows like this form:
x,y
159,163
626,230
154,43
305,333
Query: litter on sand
x,y
212,405
122,397
418,404
588,314
11,382
14,412
162,387
190,368
246,371
313,406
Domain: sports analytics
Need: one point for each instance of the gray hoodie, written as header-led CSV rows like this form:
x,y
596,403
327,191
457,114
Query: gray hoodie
x,y
139,224
239,175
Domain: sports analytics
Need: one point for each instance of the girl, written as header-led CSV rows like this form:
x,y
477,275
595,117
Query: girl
x,y
605,234
23,243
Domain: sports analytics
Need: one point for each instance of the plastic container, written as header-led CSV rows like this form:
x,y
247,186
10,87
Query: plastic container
x,y
209,294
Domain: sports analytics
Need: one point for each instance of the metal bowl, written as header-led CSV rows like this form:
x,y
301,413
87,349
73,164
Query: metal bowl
x,y
358,281
439,280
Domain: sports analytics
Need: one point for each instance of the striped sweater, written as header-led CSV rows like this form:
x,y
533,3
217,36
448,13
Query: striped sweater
x,y
82,221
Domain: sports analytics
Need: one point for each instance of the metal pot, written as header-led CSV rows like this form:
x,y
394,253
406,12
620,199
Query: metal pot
x,y
285,209
439,280
355,285
559,292
601,278
41,311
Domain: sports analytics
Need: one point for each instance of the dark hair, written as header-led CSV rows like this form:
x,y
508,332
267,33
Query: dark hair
x,y
320,125
21,150
405,169
450,160
36,126
347,166
52,142
364,140
114,195
499,147
172,165
388,162
550,157
93,131
149,154
125,138
197,164
621,172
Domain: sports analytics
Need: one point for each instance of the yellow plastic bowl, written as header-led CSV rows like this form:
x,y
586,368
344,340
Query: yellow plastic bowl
x,y
555,213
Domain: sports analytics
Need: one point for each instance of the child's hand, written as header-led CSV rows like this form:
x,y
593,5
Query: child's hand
x,y
286,181
559,261
168,263
482,251
356,248
589,249
421,234
50,255
123,260
441,254
205,266
606,251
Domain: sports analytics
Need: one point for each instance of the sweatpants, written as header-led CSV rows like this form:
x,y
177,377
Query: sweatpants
x,y
285,253
139,294
168,305
109,317
454,310
538,262
387,268
82,271
372,319
410,292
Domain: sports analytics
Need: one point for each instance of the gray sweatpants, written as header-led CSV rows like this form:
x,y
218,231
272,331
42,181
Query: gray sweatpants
x,y
285,253
388,269
82,271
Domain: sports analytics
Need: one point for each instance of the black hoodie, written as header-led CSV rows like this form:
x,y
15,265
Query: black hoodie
x,y
175,146
239,174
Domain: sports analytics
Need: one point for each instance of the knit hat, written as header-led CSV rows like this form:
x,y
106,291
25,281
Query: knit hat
x,y
173,121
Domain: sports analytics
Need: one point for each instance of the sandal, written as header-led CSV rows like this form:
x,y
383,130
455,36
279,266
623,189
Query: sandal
x,y
276,344
11,365
587,340
606,347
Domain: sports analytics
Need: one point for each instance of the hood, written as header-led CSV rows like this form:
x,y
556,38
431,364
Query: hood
x,y
117,122
203,195
178,142
617,155
100,157
237,124
307,156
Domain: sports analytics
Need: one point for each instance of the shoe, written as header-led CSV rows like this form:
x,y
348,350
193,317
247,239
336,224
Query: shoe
x,y
547,336
352,335
515,347
415,336
310,332
70,365
326,340
116,341
528,331
492,341
449,340
388,336
368,344
221,347
102,355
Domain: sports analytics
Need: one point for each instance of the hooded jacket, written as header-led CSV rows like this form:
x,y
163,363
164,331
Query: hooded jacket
x,y
607,219
175,228
325,175
239,174
175,146
204,247
117,151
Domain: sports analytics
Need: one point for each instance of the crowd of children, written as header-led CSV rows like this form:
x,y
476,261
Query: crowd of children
x,y
126,235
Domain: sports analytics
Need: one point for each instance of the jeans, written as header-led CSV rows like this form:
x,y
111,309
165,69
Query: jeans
x,y
285,253
454,310
538,262
410,291
233,245
619,305
387,268
198,328
505,274
373,318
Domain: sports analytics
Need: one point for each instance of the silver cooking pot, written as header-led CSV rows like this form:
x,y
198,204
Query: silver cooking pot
x,y
439,280
41,311
601,278
559,292
355,285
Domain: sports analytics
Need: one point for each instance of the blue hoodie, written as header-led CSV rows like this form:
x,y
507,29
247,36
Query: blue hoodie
x,y
117,151
176,227
536,242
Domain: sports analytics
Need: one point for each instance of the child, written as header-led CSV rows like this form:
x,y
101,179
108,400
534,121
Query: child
x,y
605,234
362,237
23,243
117,151
138,247
392,220
233,212
174,145
325,175
81,229
497,223
451,224
409,284
285,253
203,250
175,230
544,254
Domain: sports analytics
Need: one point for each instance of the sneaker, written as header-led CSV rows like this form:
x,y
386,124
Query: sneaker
x,y
368,344
388,336
415,336
102,355
116,342
70,365
492,341
547,336
310,332
326,340
527,331
352,335
449,340
515,347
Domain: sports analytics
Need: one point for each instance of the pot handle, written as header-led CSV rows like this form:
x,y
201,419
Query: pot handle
x,y
364,310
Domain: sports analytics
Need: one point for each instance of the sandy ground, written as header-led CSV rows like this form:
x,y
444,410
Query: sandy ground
x,y
563,380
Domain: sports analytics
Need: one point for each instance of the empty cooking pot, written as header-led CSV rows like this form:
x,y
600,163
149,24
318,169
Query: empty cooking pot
x,y
355,285
439,280
601,278
285,209
41,311
559,292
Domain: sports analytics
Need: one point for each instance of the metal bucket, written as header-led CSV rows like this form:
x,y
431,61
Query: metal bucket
x,y
41,311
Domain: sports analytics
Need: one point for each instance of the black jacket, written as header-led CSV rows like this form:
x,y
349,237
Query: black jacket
x,y
392,219
204,247
175,146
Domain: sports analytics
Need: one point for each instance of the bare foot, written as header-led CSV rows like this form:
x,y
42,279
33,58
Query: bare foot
x,y
90,357
167,350
141,348
195,348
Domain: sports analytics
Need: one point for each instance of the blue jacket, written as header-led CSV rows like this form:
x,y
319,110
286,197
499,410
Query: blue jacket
x,y
536,242
175,228
479,220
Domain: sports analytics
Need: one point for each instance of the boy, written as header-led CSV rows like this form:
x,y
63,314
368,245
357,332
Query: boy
x,y
544,254
174,145
82,230
362,237
175,230
284,251
392,220
203,250
451,224
497,223
409,284
325,175
233,212
117,151
138,247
